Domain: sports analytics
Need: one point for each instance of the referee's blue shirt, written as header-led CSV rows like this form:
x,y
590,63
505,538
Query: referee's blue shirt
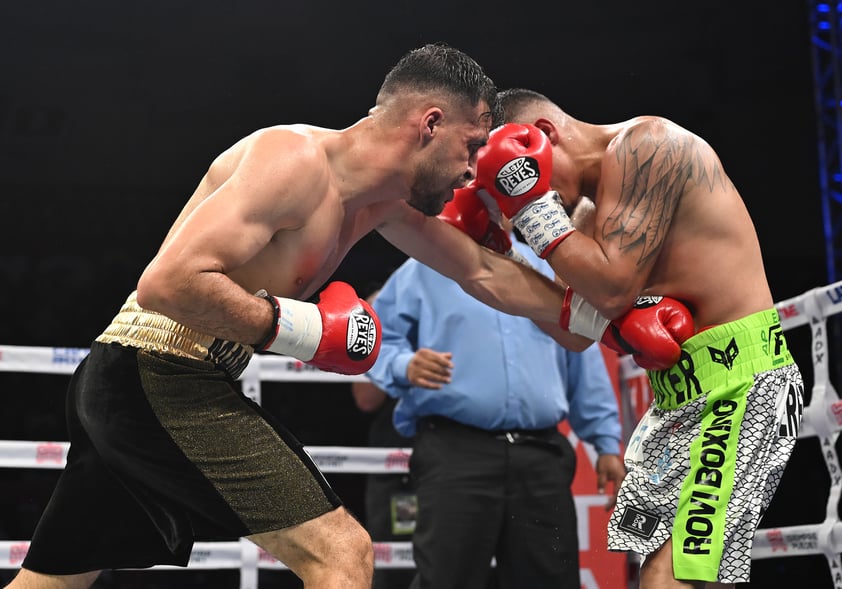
x,y
508,374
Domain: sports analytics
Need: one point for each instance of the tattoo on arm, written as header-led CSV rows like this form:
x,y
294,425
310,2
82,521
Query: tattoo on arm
x,y
656,168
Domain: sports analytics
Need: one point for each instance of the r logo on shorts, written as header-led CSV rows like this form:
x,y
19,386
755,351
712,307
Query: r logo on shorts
x,y
638,522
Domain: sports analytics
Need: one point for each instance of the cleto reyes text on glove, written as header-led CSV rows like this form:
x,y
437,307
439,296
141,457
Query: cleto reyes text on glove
x,y
339,333
513,172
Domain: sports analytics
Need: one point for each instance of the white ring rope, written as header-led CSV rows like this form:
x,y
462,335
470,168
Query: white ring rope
x,y
822,418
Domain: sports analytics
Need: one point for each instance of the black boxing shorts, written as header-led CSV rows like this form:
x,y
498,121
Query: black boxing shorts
x,y
165,450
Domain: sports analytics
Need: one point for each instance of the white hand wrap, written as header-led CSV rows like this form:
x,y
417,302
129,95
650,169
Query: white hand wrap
x,y
582,318
544,223
298,328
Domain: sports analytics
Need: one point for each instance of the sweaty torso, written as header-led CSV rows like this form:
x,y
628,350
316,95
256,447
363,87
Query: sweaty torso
x,y
679,212
280,184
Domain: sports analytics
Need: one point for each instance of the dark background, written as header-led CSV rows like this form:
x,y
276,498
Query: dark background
x,y
110,113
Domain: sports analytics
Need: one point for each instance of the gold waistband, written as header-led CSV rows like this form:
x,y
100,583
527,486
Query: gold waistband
x,y
137,327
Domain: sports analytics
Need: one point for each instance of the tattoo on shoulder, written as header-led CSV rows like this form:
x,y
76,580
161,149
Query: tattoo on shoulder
x,y
656,167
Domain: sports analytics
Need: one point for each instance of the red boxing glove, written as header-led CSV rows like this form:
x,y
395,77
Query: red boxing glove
x,y
652,331
469,215
515,166
340,333
514,170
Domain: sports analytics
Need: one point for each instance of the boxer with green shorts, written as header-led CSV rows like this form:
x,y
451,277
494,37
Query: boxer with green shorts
x,y
705,460
663,230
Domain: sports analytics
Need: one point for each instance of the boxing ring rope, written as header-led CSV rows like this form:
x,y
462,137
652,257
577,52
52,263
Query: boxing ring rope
x,y
822,418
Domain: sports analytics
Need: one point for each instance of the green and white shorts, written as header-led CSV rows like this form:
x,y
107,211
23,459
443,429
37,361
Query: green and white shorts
x,y
707,457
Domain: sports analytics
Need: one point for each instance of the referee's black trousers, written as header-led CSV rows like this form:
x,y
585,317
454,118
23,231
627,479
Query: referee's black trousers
x,y
493,495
